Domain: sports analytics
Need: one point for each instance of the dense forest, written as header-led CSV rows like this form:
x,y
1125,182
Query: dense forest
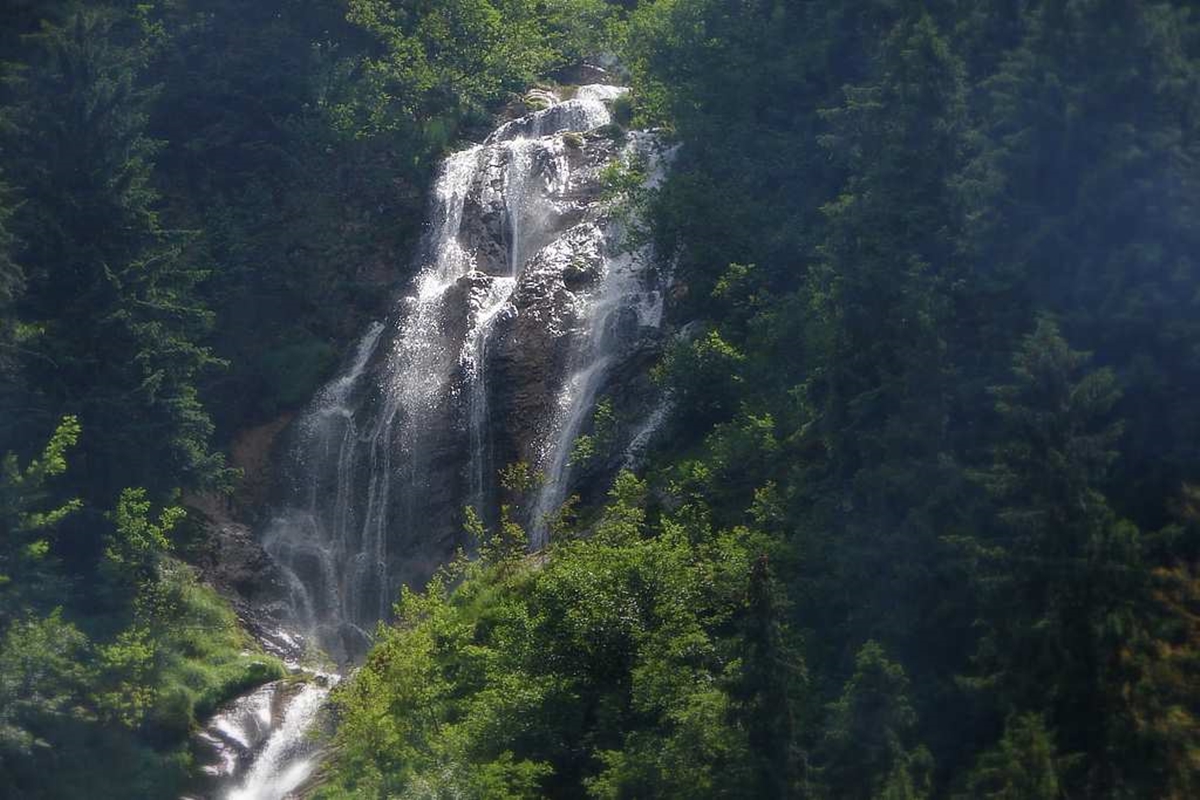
x,y
926,519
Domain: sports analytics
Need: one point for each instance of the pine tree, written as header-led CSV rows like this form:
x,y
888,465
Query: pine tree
x,y
868,750
109,289
1023,766
1062,576
878,331
12,283
772,671
1159,664
1085,205
1163,662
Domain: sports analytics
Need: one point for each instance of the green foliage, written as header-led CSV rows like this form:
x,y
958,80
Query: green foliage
x,y
704,373
132,552
165,651
625,192
11,277
24,488
1075,568
876,214
916,189
1087,156
41,675
184,179
622,181
127,688
880,435
439,64
622,109
868,749
600,666
1023,765
773,684
598,444
26,575
518,478
130,699
204,655
107,286
12,284
1163,663
506,545
874,206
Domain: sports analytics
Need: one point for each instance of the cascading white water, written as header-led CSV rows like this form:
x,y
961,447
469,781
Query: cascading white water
x,y
259,746
475,357
620,303
523,305
416,425
583,112
289,757
297,536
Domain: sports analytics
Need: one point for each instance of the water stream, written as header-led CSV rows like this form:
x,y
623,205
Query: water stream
x,y
522,304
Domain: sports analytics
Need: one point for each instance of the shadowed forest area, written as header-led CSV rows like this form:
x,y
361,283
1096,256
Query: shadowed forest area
x,y
924,520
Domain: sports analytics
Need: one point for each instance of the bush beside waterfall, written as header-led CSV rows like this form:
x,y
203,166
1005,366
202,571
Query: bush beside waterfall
x,y
120,672
632,660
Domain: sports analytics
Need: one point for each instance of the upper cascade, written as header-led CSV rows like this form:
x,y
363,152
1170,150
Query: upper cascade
x,y
525,309
587,109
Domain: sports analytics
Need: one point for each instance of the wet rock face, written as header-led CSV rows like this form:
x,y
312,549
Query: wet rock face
x,y
228,557
237,563
524,309
534,343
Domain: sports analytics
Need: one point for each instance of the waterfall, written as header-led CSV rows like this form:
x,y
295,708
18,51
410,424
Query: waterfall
x,y
289,757
621,305
524,306
260,746
522,302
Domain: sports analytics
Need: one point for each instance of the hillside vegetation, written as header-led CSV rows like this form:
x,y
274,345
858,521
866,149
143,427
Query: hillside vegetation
x,y
926,519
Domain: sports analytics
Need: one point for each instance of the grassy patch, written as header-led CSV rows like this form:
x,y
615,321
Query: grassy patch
x,y
207,657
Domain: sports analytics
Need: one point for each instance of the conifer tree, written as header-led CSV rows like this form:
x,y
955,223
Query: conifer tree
x,y
1085,205
12,283
771,671
868,750
1061,577
109,289
1023,766
878,327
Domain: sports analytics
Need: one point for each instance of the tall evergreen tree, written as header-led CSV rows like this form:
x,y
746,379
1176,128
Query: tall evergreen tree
x,y
772,672
1087,186
1023,766
109,289
12,283
1061,577
878,331
868,750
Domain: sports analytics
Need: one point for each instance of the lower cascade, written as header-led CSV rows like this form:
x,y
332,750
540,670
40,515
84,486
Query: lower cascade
x,y
528,307
262,745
